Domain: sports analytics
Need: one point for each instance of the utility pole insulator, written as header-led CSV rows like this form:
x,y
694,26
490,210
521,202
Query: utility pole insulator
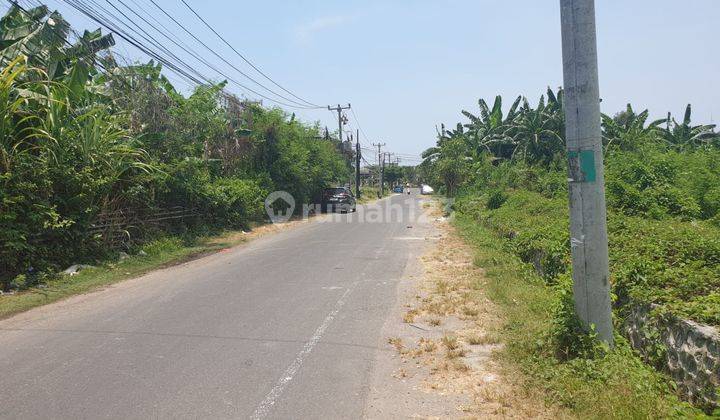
x,y
339,109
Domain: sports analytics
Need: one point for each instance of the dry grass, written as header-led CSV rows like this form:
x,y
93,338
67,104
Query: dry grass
x,y
450,342
460,366
410,315
397,343
442,287
452,294
454,354
470,311
481,339
427,345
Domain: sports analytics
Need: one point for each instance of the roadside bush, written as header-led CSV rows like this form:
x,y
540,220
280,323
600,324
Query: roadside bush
x,y
569,337
234,202
671,263
496,199
710,202
87,158
659,184
544,341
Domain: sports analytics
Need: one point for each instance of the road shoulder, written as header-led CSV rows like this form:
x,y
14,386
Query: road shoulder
x,y
443,336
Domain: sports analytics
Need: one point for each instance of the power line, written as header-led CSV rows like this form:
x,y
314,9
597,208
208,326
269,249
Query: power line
x,y
145,35
125,33
150,39
359,126
102,20
154,48
186,50
243,57
298,104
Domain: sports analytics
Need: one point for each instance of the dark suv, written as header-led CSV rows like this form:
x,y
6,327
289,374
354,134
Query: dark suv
x,y
338,198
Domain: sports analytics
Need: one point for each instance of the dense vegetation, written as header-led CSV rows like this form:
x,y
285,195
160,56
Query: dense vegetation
x,y
663,190
595,384
507,172
95,155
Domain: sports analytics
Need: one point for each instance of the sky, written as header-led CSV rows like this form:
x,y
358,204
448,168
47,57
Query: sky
x,y
407,66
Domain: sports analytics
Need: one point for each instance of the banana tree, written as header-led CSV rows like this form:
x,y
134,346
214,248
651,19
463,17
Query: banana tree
x,y
685,135
42,37
538,133
489,131
627,130
37,34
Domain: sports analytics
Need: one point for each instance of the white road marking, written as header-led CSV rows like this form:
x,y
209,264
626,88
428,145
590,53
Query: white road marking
x,y
264,407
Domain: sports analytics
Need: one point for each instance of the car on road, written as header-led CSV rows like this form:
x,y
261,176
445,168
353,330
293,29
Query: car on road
x,y
338,198
426,189
398,189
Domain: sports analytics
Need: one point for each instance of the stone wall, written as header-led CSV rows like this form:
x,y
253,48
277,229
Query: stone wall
x,y
689,351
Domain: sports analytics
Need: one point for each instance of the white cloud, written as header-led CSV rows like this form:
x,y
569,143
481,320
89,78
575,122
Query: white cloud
x,y
305,33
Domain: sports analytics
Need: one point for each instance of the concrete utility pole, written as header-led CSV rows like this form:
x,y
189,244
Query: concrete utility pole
x,y
389,162
339,110
588,223
357,165
382,176
381,166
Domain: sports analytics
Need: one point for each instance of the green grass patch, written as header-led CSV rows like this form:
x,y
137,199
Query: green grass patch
x,y
672,263
369,194
600,384
158,253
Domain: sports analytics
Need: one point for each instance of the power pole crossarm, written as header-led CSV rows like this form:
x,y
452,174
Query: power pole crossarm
x,y
588,223
339,109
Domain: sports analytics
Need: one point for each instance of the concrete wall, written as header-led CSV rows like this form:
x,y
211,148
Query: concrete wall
x,y
691,352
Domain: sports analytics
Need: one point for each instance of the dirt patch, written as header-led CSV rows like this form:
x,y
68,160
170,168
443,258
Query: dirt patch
x,y
445,341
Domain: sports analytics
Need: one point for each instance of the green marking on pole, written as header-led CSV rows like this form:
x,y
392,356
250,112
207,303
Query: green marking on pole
x,y
582,165
587,165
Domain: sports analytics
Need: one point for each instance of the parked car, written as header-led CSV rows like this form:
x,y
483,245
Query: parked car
x,y
426,189
398,189
338,198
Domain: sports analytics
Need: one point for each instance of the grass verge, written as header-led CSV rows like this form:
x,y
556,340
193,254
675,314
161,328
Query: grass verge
x,y
611,384
370,194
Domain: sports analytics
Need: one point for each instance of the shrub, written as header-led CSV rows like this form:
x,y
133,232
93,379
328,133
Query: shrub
x,y
79,147
658,184
233,202
710,202
672,263
496,199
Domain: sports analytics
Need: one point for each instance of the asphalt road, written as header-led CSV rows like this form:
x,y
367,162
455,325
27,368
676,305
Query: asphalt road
x,y
287,326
